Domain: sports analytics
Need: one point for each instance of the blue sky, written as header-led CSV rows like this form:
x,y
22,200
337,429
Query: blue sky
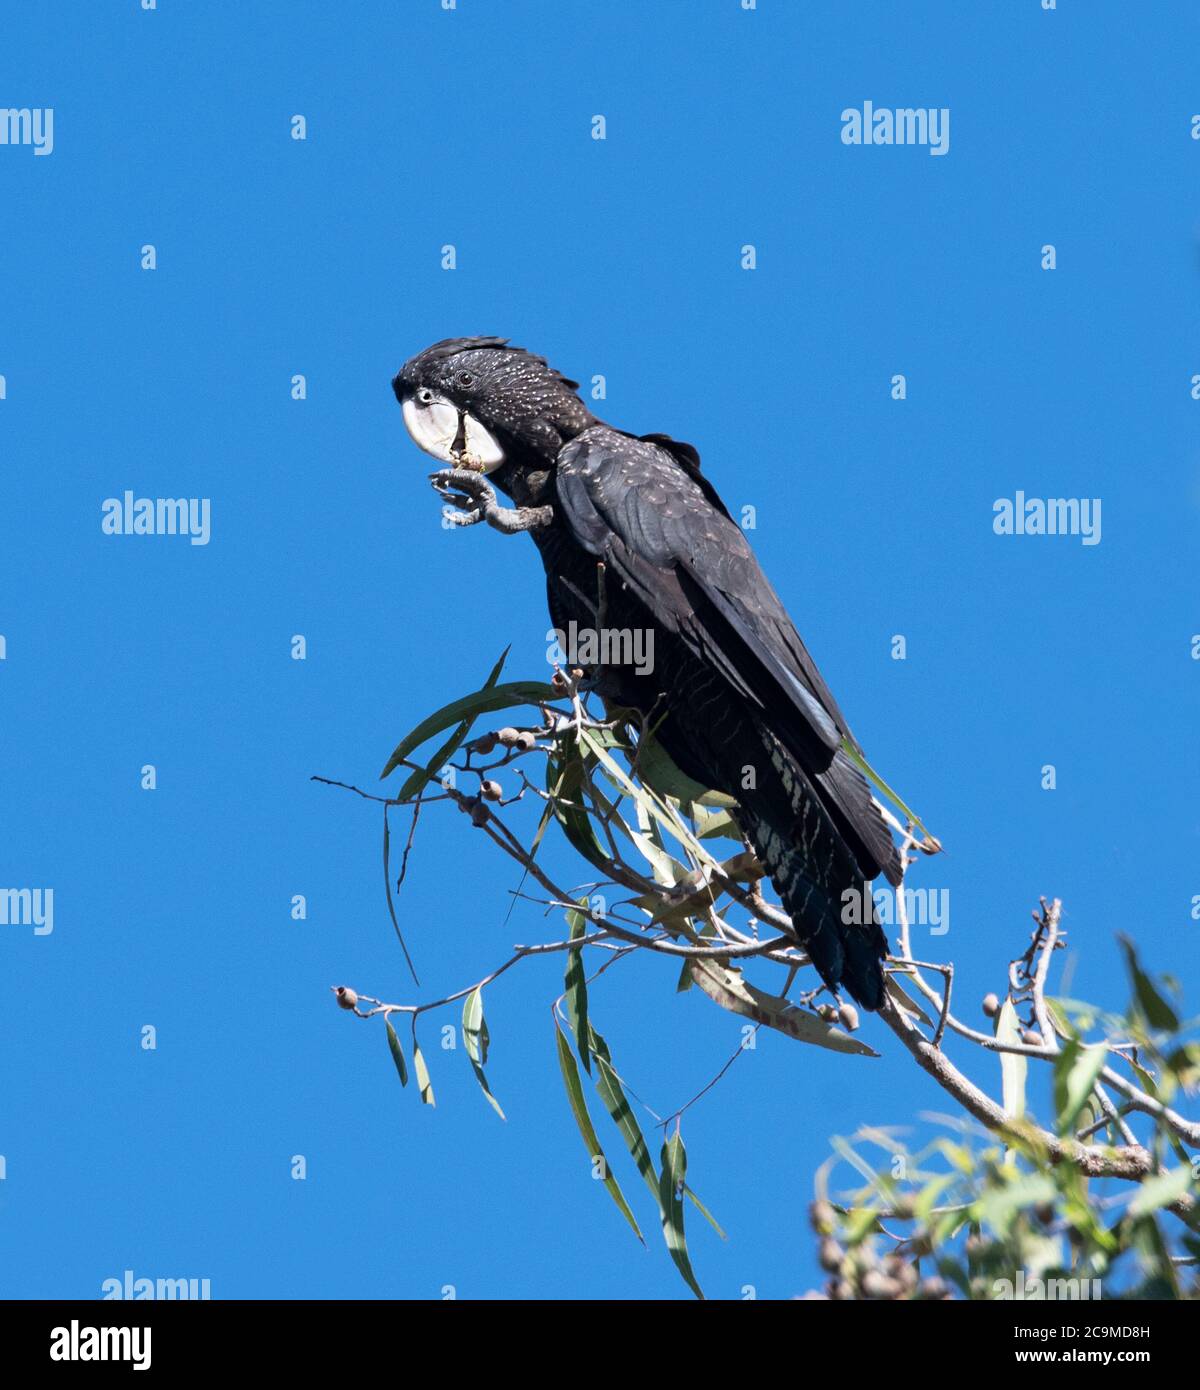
x,y
617,257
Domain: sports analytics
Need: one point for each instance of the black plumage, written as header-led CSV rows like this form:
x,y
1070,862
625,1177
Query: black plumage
x,y
743,708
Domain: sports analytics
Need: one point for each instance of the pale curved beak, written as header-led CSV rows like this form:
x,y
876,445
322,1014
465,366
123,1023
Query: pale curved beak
x,y
451,435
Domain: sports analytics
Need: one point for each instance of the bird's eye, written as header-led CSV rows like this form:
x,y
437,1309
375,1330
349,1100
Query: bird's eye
x,y
466,379
425,395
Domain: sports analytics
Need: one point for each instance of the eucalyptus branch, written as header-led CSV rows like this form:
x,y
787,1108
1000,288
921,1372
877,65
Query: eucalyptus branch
x,y
672,908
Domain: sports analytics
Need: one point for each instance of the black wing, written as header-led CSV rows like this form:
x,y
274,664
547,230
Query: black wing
x,y
660,527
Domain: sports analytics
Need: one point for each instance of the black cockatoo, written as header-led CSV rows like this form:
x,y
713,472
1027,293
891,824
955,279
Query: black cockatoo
x,y
738,702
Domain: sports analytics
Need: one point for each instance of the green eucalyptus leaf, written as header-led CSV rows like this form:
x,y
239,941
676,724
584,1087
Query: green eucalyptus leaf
x,y
564,781
671,1185
617,1104
1076,1070
1157,1012
416,782
469,708
477,1041
576,986
658,770
583,1120
1013,1067
397,1052
1161,1191
424,1084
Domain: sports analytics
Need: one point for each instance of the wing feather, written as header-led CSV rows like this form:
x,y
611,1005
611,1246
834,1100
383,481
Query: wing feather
x,y
644,510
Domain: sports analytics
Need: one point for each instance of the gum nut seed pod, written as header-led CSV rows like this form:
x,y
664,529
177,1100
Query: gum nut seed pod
x,y
875,1284
346,998
1030,1038
506,736
559,681
848,1017
484,743
479,813
491,791
830,1256
525,741
823,1217
991,1005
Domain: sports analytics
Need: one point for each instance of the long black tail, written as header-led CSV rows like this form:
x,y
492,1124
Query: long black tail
x,y
817,877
